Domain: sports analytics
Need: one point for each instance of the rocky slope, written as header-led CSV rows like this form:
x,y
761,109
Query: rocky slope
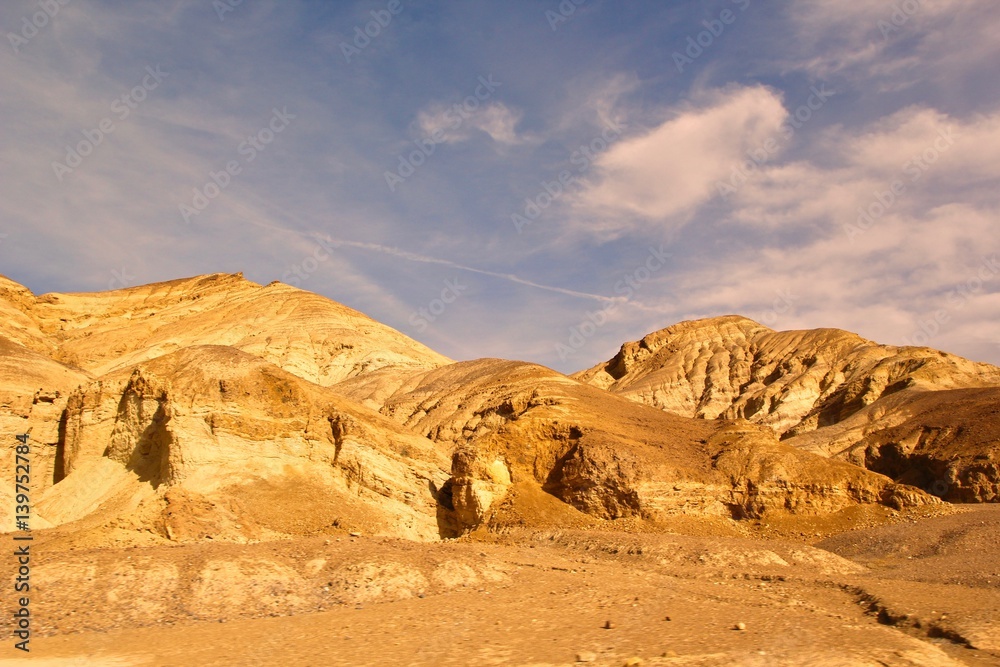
x,y
216,407
921,592
306,334
519,429
178,399
211,441
827,391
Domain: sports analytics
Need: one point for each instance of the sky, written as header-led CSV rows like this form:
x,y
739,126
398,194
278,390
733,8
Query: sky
x,y
528,180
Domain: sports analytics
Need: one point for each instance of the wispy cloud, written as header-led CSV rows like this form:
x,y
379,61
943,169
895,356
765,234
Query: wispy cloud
x,y
546,99
455,125
671,170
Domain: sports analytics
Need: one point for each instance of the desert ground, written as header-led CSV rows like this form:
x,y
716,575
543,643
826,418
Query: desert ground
x,y
916,588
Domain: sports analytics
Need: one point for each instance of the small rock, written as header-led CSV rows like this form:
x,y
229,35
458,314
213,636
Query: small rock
x,y
740,626
608,625
634,662
667,618
586,656
355,534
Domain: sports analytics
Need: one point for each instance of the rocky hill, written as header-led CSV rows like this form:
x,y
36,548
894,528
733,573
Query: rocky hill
x,y
213,407
211,386
917,414
209,455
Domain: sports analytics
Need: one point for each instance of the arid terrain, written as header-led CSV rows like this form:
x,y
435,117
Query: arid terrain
x,y
226,473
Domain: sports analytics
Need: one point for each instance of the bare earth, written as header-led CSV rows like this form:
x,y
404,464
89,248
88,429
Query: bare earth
x,y
912,591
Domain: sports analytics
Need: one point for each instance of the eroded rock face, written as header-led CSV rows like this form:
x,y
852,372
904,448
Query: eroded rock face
x,y
235,440
518,426
945,442
142,439
896,411
792,381
206,384
478,481
215,407
766,476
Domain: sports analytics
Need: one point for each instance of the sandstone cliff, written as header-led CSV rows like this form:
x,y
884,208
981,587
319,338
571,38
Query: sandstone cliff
x,y
177,407
518,428
828,391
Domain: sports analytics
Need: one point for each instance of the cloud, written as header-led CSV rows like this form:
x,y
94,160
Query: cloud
x,y
884,287
855,255
674,168
860,41
458,122
933,159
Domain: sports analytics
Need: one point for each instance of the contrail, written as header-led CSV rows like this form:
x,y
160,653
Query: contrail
x,y
425,259
414,257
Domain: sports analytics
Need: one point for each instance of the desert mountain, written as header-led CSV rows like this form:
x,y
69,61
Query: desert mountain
x,y
216,407
172,395
522,433
317,339
922,416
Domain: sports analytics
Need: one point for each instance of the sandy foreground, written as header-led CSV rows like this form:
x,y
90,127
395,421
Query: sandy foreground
x,y
914,591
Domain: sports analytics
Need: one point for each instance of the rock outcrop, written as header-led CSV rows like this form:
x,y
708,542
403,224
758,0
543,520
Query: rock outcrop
x,y
827,391
150,405
516,426
213,436
216,408
792,381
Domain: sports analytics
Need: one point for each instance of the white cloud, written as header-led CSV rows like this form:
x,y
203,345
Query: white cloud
x,y
933,158
887,278
857,40
459,123
673,169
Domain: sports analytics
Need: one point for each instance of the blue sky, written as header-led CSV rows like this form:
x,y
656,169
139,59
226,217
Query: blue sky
x,y
528,180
